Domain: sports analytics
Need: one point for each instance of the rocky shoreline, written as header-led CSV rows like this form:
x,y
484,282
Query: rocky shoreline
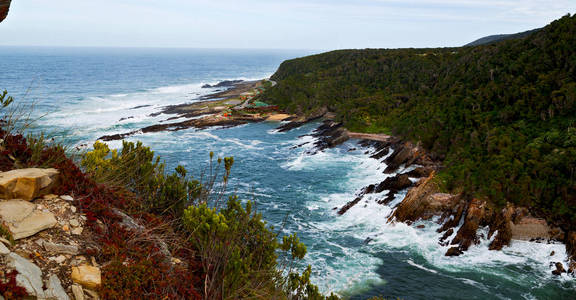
x,y
459,215
228,108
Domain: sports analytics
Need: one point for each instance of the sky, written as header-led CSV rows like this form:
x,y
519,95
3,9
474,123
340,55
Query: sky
x,y
271,24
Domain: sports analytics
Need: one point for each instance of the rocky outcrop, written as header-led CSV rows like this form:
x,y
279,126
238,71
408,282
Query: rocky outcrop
x,y
330,134
559,269
4,7
303,120
423,202
23,219
510,223
223,84
27,184
44,258
407,153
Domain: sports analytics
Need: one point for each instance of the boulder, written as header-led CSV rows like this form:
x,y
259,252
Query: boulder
x,y
454,251
54,289
29,275
559,269
420,172
394,183
424,201
87,276
27,184
23,219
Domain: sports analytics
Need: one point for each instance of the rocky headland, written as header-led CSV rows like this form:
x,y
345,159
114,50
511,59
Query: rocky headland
x,y
460,216
232,107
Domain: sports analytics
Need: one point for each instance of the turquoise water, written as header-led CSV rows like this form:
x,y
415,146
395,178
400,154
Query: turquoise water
x,y
84,92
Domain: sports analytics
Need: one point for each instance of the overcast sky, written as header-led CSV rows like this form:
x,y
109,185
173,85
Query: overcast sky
x,y
280,24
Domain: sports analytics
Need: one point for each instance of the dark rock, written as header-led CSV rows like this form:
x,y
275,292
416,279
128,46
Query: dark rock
x,y
394,183
4,7
466,235
122,119
329,134
389,198
141,106
454,251
225,83
559,269
447,234
501,223
419,172
349,205
552,253
421,226
301,121
368,240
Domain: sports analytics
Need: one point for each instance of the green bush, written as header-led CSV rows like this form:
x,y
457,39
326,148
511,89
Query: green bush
x,y
137,169
239,252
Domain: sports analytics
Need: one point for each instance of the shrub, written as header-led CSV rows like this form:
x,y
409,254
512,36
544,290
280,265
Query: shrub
x,y
136,169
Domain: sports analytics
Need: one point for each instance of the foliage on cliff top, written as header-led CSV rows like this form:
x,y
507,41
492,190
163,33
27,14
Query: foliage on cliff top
x,y
502,117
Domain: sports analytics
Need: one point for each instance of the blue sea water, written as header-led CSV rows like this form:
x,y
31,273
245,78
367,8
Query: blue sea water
x,y
80,94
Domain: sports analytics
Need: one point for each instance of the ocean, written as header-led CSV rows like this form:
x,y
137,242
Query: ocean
x,y
80,94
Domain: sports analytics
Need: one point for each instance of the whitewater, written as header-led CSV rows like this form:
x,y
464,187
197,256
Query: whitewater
x,y
84,94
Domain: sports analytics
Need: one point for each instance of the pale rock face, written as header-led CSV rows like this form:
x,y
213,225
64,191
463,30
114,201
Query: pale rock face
x,y
60,248
29,275
15,210
36,222
55,290
26,184
87,276
3,249
66,198
78,292
23,220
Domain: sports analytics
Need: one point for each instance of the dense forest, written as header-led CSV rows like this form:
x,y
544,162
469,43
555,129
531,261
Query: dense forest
x,y
501,117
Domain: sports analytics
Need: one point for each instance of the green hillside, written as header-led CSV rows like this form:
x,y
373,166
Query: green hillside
x,y
501,117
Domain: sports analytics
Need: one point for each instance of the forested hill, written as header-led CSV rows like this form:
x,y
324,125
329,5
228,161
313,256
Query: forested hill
x,y
501,37
501,117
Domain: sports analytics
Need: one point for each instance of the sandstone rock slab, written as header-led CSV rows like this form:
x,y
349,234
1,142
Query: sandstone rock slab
x,y
34,223
23,219
87,276
27,184
15,210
